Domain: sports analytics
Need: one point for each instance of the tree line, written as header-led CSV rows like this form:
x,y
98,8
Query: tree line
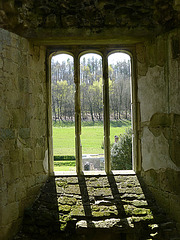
x,y
91,87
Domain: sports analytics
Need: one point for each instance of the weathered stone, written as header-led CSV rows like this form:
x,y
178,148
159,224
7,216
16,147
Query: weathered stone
x,y
152,91
138,203
67,200
24,133
12,214
18,118
7,134
11,172
102,192
1,62
51,20
154,26
64,208
79,211
84,218
3,16
72,189
21,193
39,153
112,223
16,142
149,16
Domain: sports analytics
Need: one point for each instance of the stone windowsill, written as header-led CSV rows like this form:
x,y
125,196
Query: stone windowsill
x,y
94,173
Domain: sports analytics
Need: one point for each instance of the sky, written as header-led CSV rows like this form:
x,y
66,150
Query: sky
x,y
113,58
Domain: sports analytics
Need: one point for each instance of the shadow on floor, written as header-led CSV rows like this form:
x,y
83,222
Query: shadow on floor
x,y
94,207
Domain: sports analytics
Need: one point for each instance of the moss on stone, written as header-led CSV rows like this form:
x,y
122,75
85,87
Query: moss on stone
x,y
64,208
138,203
77,211
102,191
72,189
141,211
128,209
61,184
67,200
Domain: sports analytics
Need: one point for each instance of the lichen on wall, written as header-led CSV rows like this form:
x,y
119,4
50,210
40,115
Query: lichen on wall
x,y
152,93
158,69
155,152
23,136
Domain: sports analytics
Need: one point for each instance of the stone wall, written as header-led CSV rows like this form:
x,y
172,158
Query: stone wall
x,y
103,20
23,128
158,69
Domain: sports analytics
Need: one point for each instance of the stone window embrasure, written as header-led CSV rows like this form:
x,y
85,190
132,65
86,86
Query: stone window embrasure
x,y
104,52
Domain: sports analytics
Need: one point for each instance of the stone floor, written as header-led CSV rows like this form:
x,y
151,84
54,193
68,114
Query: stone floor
x,y
96,207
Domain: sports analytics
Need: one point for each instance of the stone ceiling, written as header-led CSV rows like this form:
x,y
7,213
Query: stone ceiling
x,y
50,21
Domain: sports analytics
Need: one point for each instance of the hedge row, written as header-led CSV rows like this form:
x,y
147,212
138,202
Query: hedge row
x,y
64,158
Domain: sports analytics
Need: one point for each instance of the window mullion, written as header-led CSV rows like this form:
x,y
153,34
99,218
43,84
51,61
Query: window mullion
x,y
77,116
106,115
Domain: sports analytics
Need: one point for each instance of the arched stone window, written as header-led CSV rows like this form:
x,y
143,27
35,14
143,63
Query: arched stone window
x,y
105,53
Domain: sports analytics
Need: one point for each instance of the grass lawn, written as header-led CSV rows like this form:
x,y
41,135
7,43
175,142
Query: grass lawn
x,y
63,141
64,165
64,168
91,138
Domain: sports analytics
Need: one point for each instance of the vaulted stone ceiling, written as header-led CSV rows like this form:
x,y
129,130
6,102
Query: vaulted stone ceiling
x,y
50,20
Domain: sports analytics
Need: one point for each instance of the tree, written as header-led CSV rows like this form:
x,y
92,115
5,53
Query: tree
x,y
95,92
62,85
121,152
119,74
62,78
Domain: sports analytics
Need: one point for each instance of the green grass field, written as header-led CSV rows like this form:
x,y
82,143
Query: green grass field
x,y
64,165
91,138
